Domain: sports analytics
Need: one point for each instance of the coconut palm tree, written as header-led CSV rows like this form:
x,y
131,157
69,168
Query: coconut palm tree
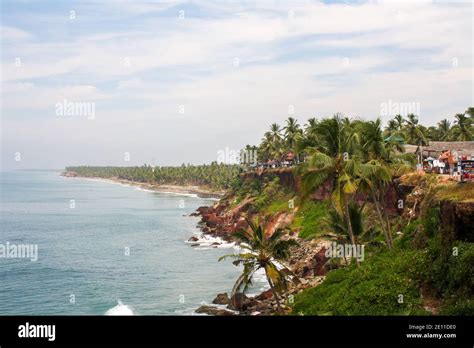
x,y
375,178
372,141
399,122
391,127
260,251
444,129
341,172
336,222
292,132
415,133
462,129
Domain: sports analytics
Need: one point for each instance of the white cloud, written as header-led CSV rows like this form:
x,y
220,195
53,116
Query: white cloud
x,y
138,77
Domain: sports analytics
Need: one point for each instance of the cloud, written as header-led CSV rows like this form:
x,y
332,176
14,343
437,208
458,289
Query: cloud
x,y
139,62
11,34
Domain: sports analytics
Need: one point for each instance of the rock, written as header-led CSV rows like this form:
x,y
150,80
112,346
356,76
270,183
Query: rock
x,y
193,239
241,302
195,245
222,299
203,210
319,262
211,310
215,244
266,295
457,222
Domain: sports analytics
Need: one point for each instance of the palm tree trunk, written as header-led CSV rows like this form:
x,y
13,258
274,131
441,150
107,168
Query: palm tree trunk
x,y
382,221
349,226
274,295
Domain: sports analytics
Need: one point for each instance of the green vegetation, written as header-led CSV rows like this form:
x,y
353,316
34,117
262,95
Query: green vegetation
x,y
461,129
374,288
310,219
463,192
278,141
445,272
216,176
408,273
407,269
260,251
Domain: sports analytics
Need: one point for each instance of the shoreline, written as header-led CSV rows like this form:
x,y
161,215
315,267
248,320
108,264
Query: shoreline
x,y
199,191
307,261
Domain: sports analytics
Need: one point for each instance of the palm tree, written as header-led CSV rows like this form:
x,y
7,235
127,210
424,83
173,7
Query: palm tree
x,y
260,251
321,168
391,127
309,137
399,122
444,129
292,134
275,133
414,131
470,112
334,165
338,224
462,130
375,178
372,141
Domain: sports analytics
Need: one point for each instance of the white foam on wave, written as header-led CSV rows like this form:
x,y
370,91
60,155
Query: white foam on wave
x,y
120,309
142,189
194,195
206,242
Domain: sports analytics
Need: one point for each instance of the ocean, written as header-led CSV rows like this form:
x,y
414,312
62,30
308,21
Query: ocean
x,y
105,248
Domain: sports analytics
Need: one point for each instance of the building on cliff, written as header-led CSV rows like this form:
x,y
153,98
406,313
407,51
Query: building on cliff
x,y
436,148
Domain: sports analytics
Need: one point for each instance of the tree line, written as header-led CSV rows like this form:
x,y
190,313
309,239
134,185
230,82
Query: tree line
x,y
216,175
278,141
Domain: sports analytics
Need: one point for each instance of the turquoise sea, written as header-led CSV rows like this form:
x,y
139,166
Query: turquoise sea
x,y
104,248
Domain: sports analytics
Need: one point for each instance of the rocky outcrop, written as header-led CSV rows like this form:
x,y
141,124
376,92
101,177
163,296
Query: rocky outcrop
x,y
241,302
285,175
212,310
309,259
222,299
457,221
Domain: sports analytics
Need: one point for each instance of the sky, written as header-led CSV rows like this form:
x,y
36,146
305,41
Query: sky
x,y
131,82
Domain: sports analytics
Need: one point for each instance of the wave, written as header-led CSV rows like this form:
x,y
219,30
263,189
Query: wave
x,y
194,195
120,309
207,242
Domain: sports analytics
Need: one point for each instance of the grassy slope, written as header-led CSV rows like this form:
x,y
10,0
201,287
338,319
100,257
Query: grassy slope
x,y
309,220
374,288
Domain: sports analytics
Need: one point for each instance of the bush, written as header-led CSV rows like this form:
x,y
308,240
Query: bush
x,y
452,276
372,289
462,307
310,219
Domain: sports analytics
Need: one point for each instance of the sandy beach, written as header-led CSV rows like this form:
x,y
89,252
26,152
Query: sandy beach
x,y
199,191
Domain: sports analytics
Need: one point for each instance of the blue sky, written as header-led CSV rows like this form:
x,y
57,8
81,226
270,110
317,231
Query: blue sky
x,y
142,62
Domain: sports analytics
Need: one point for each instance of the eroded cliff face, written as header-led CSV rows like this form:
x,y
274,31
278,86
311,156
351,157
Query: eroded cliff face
x,y
457,221
288,179
286,176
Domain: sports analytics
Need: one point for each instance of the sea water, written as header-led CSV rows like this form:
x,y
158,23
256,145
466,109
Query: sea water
x,y
105,248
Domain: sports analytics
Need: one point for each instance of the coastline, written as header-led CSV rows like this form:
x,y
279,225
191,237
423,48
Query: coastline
x,y
308,260
199,191
218,222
